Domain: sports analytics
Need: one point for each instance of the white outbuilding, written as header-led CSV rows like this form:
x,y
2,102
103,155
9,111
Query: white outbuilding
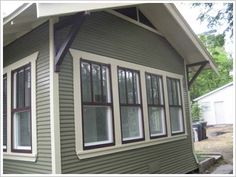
x,y
218,105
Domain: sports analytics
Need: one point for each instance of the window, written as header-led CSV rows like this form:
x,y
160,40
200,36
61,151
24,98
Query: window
x,y
130,105
5,112
135,14
97,104
175,105
130,12
156,109
21,109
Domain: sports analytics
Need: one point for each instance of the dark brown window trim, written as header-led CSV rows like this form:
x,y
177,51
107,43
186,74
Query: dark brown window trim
x,y
92,103
5,111
132,105
179,105
157,105
19,110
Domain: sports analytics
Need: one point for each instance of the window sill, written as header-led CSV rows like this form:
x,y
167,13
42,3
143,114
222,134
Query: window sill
x,y
20,157
124,147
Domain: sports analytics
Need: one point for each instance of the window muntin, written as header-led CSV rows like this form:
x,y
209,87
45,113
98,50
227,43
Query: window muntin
x,y
97,104
156,107
4,112
175,105
130,105
21,109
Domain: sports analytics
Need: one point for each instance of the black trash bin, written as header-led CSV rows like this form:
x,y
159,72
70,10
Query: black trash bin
x,y
204,125
198,126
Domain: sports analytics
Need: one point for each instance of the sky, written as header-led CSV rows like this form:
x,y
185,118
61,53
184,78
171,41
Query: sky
x,y
190,15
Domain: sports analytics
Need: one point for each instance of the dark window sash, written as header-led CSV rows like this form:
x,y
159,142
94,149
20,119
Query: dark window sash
x,y
98,104
127,104
101,65
16,108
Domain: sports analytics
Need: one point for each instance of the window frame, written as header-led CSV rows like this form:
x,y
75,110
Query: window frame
x,y
130,140
14,147
180,99
157,105
119,146
21,155
93,103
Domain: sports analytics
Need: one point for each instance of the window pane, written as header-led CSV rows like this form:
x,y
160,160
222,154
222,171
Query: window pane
x,y
106,84
22,129
129,12
155,89
130,90
175,93
178,92
161,91
122,87
144,20
27,87
86,82
149,89
97,93
4,110
20,88
97,122
156,120
136,88
176,119
170,94
131,122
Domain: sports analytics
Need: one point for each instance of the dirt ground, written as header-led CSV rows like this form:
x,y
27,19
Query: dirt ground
x,y
220,140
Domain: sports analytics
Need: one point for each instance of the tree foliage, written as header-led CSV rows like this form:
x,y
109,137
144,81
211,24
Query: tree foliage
x,y
216,19
208,80
196,112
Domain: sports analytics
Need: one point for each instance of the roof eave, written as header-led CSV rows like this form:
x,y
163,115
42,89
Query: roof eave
x,y
185,26
16,12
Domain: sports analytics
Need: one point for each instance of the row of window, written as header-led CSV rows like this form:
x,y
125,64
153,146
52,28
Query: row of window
x,y
20,110
97,105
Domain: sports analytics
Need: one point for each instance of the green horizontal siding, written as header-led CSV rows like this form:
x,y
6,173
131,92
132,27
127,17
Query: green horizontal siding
x,y
107,35
37,40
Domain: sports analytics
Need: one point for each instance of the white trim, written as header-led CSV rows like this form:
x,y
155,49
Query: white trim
x,y
118,147
7,70
167,108
54,105
113,12
189,32
190,116
16,12
20,156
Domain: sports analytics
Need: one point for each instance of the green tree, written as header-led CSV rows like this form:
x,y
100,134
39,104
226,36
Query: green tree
x,y
196,112
208,80
216,18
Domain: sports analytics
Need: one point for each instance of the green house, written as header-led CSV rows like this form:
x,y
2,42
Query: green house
x,y
98,88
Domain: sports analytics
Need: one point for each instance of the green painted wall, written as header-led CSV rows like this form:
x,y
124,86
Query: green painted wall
x,y
37,40
107,35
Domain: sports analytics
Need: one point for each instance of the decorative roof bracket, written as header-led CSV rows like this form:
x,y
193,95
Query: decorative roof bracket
x,y
76,22
202,64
